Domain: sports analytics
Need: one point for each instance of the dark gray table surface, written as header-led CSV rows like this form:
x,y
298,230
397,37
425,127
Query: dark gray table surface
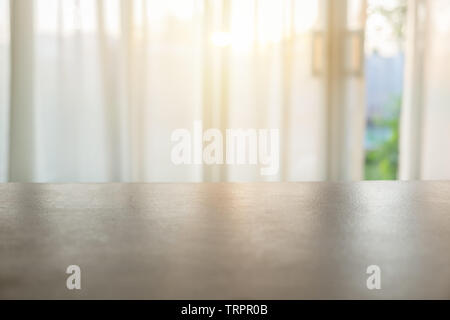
x,y
226,241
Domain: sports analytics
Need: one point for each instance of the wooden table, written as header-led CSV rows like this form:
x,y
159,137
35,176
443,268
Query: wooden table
x,y
225,241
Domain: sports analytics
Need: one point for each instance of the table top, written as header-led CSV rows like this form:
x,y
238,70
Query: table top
x,y
225,241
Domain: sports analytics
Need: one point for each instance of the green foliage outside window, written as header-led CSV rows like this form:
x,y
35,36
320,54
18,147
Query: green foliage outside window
x,y
382,161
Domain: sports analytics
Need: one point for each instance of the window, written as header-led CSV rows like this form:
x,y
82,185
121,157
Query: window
x,y
385,35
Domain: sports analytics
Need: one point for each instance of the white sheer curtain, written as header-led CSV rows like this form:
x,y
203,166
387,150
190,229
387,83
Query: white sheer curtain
x,y
91,90
425,146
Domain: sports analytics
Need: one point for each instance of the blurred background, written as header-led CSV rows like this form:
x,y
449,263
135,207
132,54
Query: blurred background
x,y
91,90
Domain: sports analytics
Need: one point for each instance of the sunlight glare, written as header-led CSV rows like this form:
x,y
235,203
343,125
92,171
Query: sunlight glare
x,y
306,15
222,39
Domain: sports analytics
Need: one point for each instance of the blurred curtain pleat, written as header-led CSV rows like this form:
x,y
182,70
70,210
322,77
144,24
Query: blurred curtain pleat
x,y
129,117
346,90
97,87
111,99
5,67
424,146
22,126
412,113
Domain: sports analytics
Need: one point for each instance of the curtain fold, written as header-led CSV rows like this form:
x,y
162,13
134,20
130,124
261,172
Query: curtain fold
x,y
436,96
22,141
424,148
96,88
4,88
